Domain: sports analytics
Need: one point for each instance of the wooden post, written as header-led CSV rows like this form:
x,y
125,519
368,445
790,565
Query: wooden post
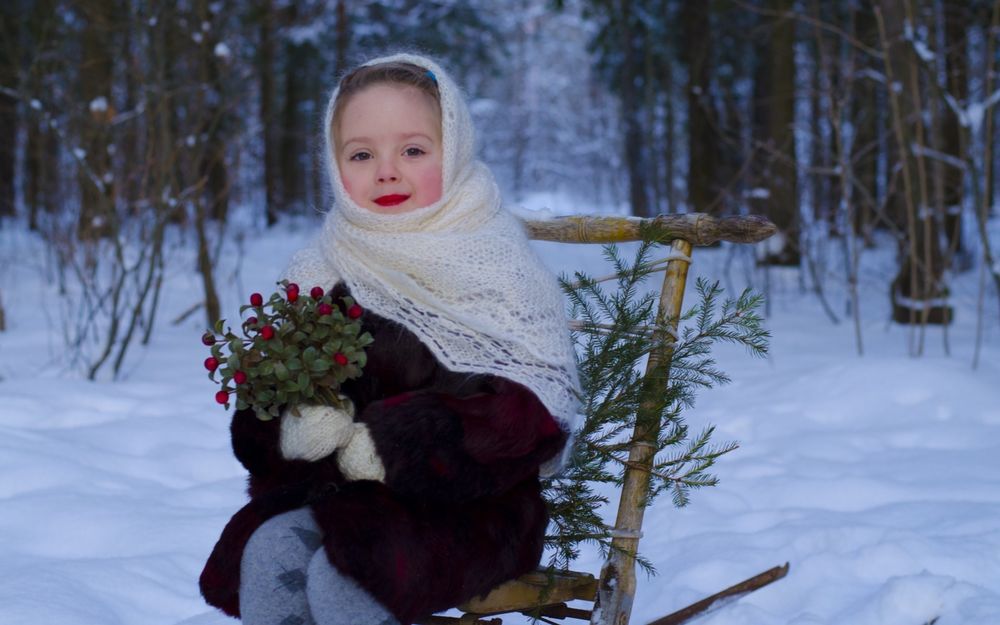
x,y
616,587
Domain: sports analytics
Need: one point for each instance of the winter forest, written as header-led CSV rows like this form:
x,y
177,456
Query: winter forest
x,y
161,160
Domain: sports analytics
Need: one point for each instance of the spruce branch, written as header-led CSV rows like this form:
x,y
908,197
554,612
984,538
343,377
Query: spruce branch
x,y
615,329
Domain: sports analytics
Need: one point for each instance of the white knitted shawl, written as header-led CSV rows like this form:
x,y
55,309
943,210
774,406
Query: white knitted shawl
x,y
459,274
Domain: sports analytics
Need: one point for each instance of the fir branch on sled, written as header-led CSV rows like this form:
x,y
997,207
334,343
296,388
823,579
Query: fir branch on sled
x,y
616,328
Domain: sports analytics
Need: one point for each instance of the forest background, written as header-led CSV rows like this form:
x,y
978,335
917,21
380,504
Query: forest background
x,y
129,127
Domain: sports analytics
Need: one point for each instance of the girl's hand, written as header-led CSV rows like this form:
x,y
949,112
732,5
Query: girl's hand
x,y
316,432
358,459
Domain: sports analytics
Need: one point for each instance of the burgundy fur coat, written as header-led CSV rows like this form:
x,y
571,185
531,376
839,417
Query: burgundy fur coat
x,y
460,510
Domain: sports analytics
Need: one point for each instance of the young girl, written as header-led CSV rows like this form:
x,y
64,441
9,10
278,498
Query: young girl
x,y
425,492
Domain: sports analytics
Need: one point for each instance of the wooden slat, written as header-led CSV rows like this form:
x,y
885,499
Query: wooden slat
x,y
748,585
697,228
533,590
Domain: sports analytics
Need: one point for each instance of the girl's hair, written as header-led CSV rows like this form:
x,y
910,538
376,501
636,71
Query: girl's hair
x,y
395,73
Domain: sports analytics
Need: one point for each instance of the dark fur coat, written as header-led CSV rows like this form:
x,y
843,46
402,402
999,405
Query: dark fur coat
x,y
460,510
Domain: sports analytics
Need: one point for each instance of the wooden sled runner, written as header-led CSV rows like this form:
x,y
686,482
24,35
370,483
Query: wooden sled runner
x,y
545,595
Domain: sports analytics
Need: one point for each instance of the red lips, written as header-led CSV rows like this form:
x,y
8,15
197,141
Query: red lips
x,y
391,200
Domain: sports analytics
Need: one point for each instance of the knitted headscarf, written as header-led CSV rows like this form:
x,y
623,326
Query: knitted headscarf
x,y
459,274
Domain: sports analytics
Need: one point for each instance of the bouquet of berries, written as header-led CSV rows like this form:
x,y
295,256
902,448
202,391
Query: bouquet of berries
x,y
294,349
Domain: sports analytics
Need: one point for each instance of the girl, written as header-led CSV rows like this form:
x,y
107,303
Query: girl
x,y
425,492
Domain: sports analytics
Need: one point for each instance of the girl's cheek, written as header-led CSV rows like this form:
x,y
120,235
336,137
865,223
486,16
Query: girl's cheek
x,y
433,184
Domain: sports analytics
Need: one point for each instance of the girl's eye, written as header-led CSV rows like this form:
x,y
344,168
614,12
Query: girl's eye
x,y
413,152
360,156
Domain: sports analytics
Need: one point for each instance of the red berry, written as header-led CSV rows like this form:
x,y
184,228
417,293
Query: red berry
x,y
239,377
222,397
316,292
293,296
251,321
292,292
340,359
267,332
354,311
256,299
324,309
211,363
208,338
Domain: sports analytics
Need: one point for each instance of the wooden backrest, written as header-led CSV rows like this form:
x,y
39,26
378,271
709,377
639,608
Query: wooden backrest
x,y
616,586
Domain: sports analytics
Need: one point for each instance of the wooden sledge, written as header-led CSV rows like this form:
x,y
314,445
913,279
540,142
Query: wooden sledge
x,y
543,594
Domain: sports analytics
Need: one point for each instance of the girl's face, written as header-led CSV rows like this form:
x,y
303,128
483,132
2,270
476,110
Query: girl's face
x,y
389,148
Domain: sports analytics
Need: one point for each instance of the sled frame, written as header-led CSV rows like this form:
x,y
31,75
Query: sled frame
x,y
544,594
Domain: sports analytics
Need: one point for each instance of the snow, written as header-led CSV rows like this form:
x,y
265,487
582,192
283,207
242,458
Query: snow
x,y
222,51
99,105
877,478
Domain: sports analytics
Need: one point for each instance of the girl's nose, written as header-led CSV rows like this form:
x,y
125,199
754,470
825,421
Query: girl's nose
x,y
387,172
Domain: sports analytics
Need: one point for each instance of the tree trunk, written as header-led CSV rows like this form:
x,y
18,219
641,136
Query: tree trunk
x,y
821,157
701,182
94,166
266,69
918,290
343,36
632,112
10,26
956,24
669,139
865,115
291,142
214,124
778,171
42,181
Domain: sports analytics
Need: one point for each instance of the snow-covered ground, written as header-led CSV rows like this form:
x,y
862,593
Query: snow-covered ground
x,y
876,477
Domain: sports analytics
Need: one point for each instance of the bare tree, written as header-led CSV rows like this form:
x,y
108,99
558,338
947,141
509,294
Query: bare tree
x,y
10,26
918,290
774,100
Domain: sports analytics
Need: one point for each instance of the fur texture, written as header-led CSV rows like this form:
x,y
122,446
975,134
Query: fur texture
x,y
460,509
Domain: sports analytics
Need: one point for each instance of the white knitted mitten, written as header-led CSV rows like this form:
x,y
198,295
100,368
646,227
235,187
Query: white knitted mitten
x,y
317,433
358,459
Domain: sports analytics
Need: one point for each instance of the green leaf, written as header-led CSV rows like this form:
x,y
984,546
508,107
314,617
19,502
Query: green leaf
x,y
280,371
294,364
309,354
320,365
303,380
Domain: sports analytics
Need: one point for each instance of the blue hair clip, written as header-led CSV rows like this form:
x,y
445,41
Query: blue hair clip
x,y
431,75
